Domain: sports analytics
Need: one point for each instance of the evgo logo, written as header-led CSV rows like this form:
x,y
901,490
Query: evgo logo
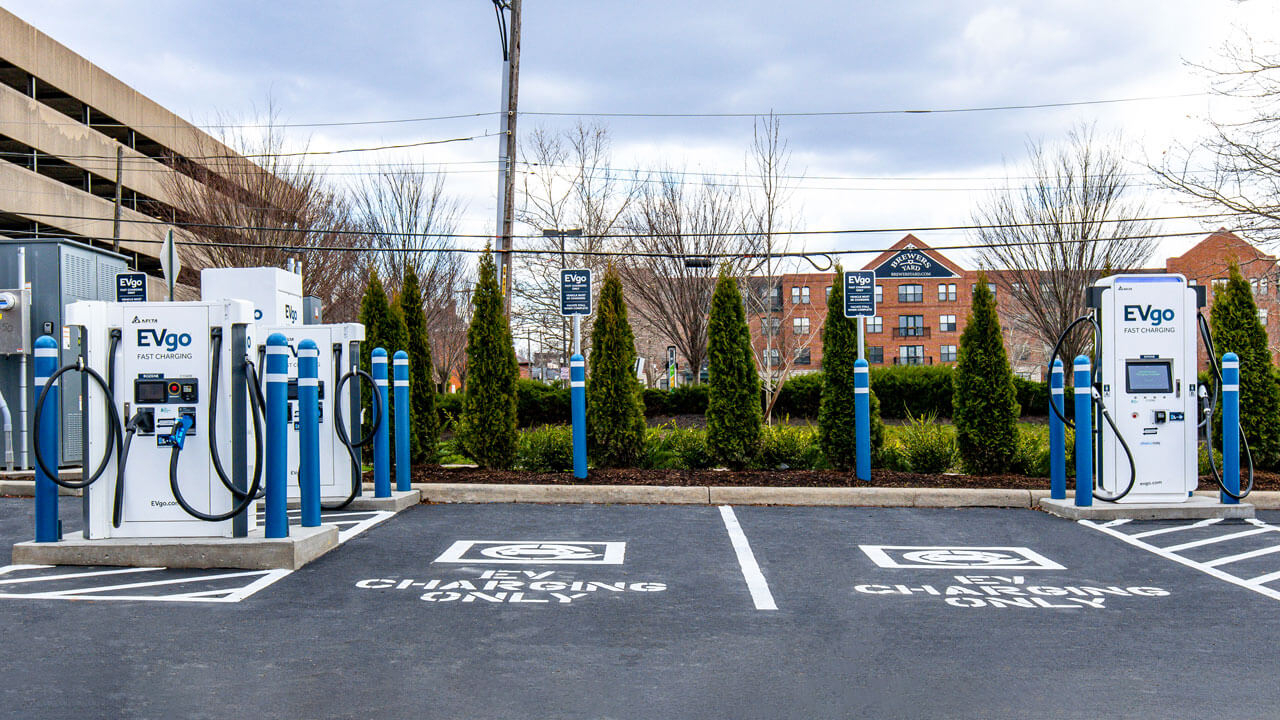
x,y
163,338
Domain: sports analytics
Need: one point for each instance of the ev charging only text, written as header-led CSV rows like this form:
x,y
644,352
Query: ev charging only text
x,y
511,586
1012,591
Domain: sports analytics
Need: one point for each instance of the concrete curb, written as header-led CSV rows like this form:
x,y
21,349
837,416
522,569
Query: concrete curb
x,y
27,488
249,553
726,495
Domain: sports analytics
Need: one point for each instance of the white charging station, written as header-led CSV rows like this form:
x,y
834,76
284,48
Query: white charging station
x,y
1148,365
276,295
162,371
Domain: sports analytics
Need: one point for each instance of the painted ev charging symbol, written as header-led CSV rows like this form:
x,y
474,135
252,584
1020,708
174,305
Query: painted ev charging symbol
x,y
534,552
953,558
538,552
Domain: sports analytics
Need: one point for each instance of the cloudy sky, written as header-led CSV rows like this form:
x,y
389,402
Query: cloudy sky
x,y
321,61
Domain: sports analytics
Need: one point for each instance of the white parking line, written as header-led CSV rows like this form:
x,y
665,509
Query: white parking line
x,y
1266,578
1162,531
756,583
1218,539
1254,584
1243,556
66,576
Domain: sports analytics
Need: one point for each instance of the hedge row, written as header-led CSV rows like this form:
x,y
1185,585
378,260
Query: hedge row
x,y
904,390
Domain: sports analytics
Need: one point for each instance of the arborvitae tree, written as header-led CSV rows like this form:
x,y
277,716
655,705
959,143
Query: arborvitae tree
x,y
375,315
422,390
837,423
1236,328
488,422
984,403
615,410
733,395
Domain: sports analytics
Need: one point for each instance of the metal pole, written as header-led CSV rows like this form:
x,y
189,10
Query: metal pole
x,y
115,225
24,441
381,438
173,279
48,528
1057,436
400,381
1230,427
309,432
862,337
277,445
862,418
1084,433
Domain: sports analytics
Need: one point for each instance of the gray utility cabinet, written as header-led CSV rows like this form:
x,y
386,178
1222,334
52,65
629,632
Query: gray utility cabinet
x,y
60,272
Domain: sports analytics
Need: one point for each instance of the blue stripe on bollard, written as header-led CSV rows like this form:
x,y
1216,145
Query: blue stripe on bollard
x,y
862,419
309,432
400,383
1084,432
277,475
381,439
1230,427
1057,435
578,410
48,528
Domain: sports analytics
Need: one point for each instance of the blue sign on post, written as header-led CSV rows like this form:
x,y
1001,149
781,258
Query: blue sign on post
x,y
131,287
859,293
575,292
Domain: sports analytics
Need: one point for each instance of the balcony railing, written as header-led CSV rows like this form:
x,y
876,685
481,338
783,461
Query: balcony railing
x,y
912,360
911,332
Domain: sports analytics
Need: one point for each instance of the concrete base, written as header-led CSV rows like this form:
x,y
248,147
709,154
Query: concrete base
x,y
1195,508
368,503
22,483
250,553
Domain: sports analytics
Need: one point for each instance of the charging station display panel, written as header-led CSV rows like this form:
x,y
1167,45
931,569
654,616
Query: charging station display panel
x,y
1148,377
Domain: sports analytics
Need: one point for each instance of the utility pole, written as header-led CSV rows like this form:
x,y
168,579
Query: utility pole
x,y
507,138
115,225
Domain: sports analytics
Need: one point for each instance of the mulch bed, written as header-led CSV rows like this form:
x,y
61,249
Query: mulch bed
x,y
769,478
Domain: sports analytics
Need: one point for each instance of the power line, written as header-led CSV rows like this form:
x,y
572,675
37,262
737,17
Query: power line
x,y
625,236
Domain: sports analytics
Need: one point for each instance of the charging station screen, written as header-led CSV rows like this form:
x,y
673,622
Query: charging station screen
x,y
1147,378
149,391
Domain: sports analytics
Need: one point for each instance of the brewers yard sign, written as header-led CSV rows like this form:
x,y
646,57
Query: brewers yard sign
x,y
912,263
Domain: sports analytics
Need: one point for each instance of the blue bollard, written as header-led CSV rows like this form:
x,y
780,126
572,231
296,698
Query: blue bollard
x,y
862,419
400,383
578,409
1084,433
1057,436
309,432
48,527
1230,427
277,444
381,444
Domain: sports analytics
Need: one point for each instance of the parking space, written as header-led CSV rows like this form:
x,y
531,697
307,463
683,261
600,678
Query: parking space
x,y
697,611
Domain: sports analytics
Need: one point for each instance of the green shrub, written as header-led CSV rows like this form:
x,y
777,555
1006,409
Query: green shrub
x,y
1203,466
733,393
422,389
688,400
672,448
487,427
539,403
800,396
1032,396
985,407
928,446
448,410
615,412
1032,458
788,447
655,402
913,390
1234,320
892,456
546,449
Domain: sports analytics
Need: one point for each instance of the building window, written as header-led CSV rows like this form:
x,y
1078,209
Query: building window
x,y
828,294
1262,316
1258,286
769,326
910,293
947,323
879,294
946,292
947,353
990,286
802,356
911,355
800,325
875,324
910,326
800,295
875,354
773,358
1218,283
